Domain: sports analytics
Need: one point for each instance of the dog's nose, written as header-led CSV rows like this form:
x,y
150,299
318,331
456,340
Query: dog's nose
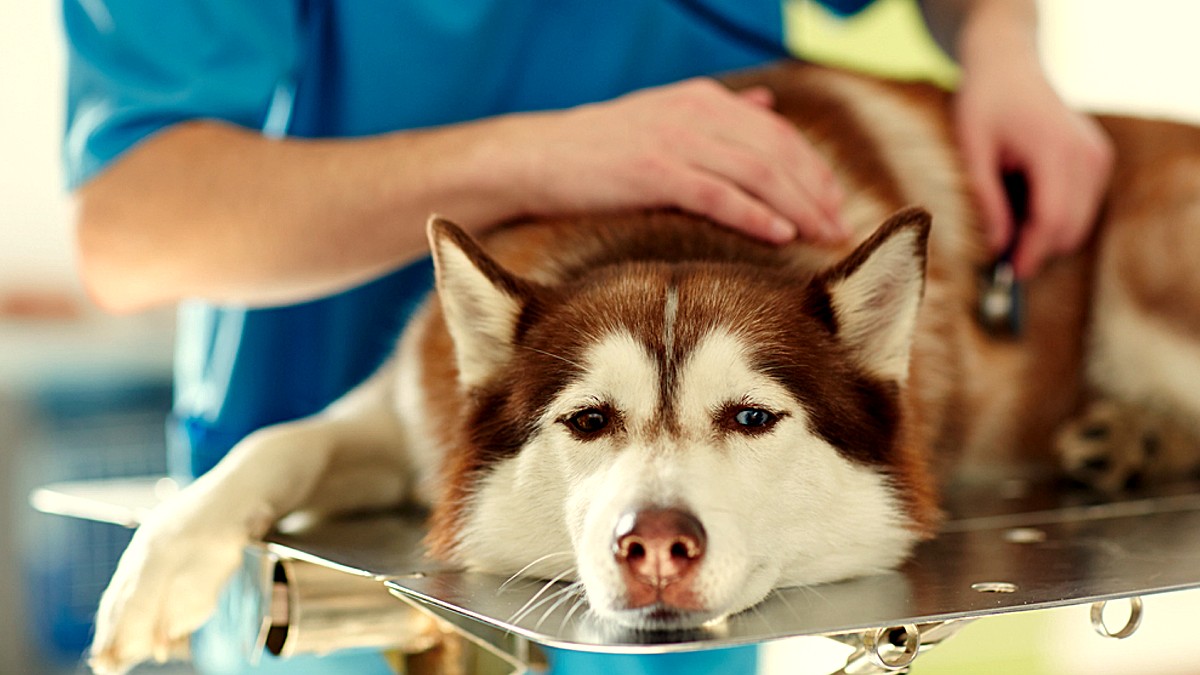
x,y
658,547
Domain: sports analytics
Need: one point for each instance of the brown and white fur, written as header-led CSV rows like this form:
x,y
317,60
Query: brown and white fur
x,y
682,419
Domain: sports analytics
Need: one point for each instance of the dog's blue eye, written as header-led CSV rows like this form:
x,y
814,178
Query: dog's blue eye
x,y
754,418
588,421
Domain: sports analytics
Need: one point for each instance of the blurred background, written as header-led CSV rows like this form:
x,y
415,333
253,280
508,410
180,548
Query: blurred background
x,y
84,395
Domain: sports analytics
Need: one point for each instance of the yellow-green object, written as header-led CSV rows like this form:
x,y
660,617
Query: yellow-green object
x,y
888,38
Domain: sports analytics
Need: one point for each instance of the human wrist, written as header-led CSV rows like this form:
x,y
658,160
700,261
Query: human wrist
x,y
999,34
500,169
462,171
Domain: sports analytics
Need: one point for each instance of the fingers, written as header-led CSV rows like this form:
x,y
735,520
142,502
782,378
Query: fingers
x,y
1009,118
751,154
1063,205
1051,218
694,145
984,176
710,195
730,157
801,200
1068,182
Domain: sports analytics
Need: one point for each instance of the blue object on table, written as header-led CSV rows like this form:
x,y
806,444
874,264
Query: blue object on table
x,y
730,661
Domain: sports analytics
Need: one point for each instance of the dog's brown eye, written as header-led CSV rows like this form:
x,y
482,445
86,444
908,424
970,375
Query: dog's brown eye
x,y
754,418
588,421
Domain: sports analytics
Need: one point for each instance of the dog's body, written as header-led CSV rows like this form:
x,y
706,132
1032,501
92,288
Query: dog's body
x,y
683,419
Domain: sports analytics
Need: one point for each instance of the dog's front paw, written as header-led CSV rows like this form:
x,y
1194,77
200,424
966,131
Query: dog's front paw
x,y
1114,445
166,585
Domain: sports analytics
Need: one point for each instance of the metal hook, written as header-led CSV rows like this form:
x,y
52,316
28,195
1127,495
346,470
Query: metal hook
x,y
875,641
1131,625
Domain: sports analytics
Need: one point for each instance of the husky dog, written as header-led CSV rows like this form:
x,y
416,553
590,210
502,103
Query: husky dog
x,y
682,419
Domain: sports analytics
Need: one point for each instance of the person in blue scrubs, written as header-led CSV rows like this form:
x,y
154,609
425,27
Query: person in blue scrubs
x,y
269,165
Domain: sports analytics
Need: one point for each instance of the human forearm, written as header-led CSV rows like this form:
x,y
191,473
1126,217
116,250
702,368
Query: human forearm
x,y
209,210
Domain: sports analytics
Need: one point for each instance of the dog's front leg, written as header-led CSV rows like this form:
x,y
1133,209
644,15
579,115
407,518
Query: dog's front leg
x,y
169,579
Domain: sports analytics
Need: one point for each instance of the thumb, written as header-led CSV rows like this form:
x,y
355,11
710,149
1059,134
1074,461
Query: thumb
x,y
984,175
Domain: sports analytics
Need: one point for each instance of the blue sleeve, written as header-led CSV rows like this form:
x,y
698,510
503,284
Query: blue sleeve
x,y
845,7
137,66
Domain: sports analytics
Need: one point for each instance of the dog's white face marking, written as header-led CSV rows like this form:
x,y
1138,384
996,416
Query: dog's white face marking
x,y
780,507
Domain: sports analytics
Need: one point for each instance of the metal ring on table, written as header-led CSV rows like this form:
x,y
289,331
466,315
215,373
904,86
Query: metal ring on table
x,y
875,640
1131,625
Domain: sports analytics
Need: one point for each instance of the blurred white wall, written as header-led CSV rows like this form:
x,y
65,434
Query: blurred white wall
x,y
1121,56
59,333
35,241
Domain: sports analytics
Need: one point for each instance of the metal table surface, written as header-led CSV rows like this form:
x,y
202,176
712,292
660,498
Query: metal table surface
x,y
1006,547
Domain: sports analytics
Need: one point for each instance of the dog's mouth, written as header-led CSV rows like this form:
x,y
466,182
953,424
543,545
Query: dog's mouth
x,y
661,617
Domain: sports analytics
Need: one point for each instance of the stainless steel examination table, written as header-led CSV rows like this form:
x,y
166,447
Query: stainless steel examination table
x,y
1008,546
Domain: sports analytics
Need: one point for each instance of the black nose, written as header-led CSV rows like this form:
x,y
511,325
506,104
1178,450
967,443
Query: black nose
x,y
659,546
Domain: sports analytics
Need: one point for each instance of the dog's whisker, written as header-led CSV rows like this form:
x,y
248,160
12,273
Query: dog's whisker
x,y
529,609
763,617
526,568
553,356
819,594
540,603
779,593
568,593
530,603
580,601
811,590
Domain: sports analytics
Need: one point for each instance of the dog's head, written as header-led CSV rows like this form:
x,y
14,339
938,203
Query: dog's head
x,y
682,438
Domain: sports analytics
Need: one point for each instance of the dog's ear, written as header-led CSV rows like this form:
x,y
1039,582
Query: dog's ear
x,y
875,293
480,300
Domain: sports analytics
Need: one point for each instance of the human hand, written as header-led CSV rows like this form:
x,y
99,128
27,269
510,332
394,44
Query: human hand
x,y
694,145
1008,118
